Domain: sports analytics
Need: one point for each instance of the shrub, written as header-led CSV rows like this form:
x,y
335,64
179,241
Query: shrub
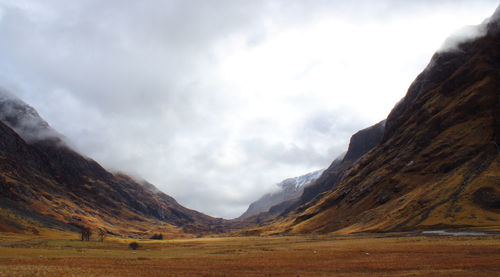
x,y
157,236
86,233
102,234
133,245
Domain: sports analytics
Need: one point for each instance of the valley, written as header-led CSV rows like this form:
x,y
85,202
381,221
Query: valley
x,y
416,194
390,254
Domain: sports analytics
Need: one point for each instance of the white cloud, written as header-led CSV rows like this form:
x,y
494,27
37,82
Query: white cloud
x,y
216,101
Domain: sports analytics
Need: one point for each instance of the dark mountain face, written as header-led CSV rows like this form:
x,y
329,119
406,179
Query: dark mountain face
x,y
363,141
360,144
39,172
437,164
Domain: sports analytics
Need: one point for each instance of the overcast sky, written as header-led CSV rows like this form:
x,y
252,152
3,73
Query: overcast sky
x,y
215,102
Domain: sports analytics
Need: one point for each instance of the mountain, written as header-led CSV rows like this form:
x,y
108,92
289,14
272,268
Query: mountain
x,y
290,189
437,164
45,183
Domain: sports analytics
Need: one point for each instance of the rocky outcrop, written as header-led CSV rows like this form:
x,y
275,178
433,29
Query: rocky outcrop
x,y
363,141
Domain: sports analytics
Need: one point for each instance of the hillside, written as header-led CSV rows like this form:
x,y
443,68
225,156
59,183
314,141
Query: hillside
x,y
437,165
46,184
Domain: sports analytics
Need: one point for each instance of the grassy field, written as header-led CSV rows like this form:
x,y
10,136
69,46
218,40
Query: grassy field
x,y
361,255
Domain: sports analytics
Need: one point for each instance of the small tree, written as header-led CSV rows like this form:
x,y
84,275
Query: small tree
x,y
133,245
102,234
86,233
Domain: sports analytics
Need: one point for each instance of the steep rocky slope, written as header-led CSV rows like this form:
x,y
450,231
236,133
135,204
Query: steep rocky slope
x,y
360,144
45,182
437,164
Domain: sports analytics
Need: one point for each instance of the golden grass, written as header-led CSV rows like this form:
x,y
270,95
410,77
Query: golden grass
x,y
361,255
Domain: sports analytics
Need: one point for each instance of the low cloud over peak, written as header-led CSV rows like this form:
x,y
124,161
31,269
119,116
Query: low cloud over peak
x,y
214,102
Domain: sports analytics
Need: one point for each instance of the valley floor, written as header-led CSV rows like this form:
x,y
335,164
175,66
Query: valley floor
x,y
359,255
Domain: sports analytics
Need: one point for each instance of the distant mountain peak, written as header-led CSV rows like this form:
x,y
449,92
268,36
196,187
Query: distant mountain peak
x,y
290,189
297,183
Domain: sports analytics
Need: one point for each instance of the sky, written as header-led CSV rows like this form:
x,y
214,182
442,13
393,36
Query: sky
x,y
217,101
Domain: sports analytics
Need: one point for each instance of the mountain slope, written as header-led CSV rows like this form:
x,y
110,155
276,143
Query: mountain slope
x,y
438,162
46,178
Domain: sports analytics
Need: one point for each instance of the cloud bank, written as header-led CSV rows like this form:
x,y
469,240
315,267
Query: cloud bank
x,y
216,101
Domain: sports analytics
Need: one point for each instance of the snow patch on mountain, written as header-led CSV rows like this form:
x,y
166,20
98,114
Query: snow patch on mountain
x,y
289,189
297,183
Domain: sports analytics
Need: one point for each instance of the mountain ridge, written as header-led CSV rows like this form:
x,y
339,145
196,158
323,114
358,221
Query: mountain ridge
x,y
76,190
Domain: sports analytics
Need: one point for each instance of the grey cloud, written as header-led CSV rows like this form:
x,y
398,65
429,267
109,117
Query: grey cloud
x,y
462,35
467,33
335,122
275,153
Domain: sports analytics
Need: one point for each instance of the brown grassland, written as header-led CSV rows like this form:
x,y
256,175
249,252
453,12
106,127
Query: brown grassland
x,y
353,255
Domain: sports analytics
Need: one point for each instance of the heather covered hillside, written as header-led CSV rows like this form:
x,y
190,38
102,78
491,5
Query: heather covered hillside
x,y
437,165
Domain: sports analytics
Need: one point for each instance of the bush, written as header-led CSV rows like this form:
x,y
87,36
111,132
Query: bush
x,y
35,231
157,236
86,233
133,245
102,234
